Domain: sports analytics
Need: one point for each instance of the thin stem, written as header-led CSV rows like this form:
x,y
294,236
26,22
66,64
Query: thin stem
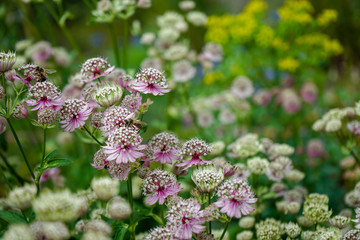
x,y
21,148
92,136
11,169
114,43
34,30
125,50
130,197
209,223
226,226
39,173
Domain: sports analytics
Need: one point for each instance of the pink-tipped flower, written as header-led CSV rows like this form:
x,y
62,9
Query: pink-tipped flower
x,y
115,117
50,173
165,148
185,218
228,168
315,148
132,102
152,81
21,111
41,51
44,94
31,74
99,159
194,149
47,115
11,75
94,68
354,127
159,233
235,197
119,171
242,87
73,114
7,60
309,92
159,185
124,145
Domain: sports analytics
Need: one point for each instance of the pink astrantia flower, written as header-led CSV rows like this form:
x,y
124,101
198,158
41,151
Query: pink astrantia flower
x,y
73,114
194,149
235,197
115,117
229,169
94,68
49,173
31,74
354,127
99,159
165,148
119,171
159,185
132,102
150,80
185,218
124,145
44,94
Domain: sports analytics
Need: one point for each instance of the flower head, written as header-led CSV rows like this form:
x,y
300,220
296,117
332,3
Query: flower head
x,y
159,185
118,171
150,80
99,159
47,115
185,218
183,71
165,147
73,114
242,87
115,117
207,178
235,197
20,111
159,233
7,60
31,74
132,102
107,94
44,94
94,68
124,145
194,148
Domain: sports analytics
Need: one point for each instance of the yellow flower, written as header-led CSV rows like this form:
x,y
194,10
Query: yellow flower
x,y
296,11
288,64
211,78
279,44
326,17
265,36
217,35
255,7
333,48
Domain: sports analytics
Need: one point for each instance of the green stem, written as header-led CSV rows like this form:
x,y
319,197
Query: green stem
x,y
226,226
92,136
114,43
39,173
130,197
11,169
21,148
209,223
125,50
34,30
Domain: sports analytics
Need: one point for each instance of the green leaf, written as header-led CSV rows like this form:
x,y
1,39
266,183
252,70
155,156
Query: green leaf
x,y
120,231
50,156
12,217
57,163
64,17
268,195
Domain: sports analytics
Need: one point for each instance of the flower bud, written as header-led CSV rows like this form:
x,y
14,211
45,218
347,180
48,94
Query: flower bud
x,y
7,60
21,111
118,208
105,187
2,125
107,94
46,116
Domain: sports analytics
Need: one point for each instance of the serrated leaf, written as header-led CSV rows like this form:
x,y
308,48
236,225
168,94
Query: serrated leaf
x,y
57,163
35,123
11,217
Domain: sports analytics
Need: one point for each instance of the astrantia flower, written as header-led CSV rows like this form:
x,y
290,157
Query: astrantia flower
x,y
132,102
119,171
185,218
115,117
47,115
44,94
152,81
165,147
228,169
159,233
159,185
94,68
208,178
183,71
194,148
107,94
354,127
73,114
213,52
31,74
99,159
242,87
20,111
7,60
235,197
124,145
